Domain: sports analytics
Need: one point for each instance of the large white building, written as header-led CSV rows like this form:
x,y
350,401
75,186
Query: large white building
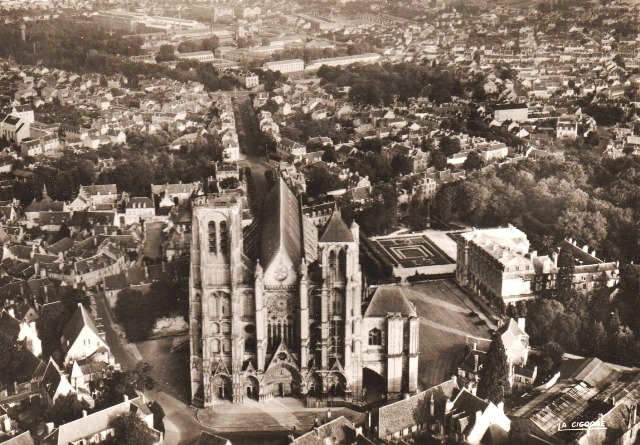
x,y
497,264
200,56
285,66
344,60
512,112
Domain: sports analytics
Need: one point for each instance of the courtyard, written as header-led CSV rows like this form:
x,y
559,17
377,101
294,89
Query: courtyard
x,y
411,251
446,326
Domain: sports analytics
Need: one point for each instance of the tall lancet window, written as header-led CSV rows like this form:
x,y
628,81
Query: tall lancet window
x,y
213,242
224,238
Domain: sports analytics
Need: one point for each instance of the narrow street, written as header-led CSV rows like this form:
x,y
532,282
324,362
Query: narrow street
x,y
249,137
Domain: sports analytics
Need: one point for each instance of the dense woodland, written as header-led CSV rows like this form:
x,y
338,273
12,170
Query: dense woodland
x,y
591,199
594,200
383,84
84,47
145,160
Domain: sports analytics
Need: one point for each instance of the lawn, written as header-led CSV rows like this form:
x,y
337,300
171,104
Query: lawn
x,y
170,369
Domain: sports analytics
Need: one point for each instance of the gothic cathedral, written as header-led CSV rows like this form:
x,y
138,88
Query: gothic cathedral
x,y
276,307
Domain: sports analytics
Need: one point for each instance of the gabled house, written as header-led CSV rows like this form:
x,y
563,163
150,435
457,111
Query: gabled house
x,y
81,338
14,129
55,383
20,331
422,412
94,428
469,419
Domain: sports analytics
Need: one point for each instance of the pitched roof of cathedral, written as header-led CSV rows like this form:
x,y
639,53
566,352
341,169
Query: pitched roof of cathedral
x,y
336,230
281,226
389,299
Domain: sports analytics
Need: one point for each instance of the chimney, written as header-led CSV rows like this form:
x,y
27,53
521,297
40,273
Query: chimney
x,y
585,248
7,424
126,398
475,362
454,379
84,413
478,417
521,323
432,407
475,345
501,406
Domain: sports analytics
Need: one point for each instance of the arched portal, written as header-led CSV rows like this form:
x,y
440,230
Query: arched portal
x,y
374,386
336,385
283,381
252,388
315,386
221,387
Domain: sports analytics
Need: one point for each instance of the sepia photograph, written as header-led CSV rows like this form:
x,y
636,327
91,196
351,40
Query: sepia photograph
x,y
320,222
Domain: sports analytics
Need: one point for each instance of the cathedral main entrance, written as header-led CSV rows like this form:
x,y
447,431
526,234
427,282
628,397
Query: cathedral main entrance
x,y
283,381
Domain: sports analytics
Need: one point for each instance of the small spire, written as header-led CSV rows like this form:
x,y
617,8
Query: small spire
x,y
259,269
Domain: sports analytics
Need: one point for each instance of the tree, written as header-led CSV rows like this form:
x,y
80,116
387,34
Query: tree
x,y
619,60
166,53
438,160
417,215
588,225
628,299
329,154
14,357
320,181
188,46
70,297
210,44
444,201
158,415
473,162
550,358
494,374
566,271
540,318
129,429
66,409
449,146
402,165
133,311
121,383
229,183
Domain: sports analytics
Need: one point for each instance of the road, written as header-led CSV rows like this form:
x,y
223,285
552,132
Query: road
x,y
153,240
249,136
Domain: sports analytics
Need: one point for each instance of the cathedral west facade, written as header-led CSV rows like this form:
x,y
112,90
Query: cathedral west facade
x,y
276,308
